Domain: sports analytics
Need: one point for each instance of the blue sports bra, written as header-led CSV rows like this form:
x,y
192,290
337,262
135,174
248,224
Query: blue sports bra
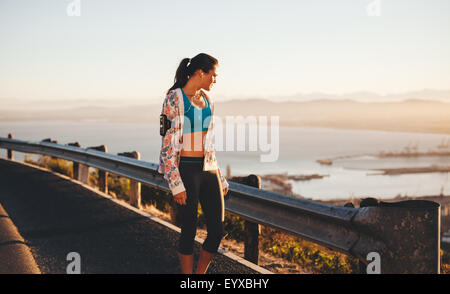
x,y
199,118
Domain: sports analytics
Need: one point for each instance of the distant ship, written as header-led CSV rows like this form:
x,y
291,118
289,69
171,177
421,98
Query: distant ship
x,y
325,161
444,145
411,148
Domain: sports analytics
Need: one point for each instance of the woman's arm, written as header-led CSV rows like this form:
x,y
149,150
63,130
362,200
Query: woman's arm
x,y
222,179
171,144
213,154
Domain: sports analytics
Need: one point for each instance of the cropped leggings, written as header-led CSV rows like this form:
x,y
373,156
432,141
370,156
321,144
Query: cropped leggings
x,y
200,186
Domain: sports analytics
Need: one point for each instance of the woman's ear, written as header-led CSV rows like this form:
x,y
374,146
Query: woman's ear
x,y
199,72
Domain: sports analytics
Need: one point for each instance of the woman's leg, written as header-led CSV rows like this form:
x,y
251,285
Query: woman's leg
x,y
187,215
211,200
203,261
186,263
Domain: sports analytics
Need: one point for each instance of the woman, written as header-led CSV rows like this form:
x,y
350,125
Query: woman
x,y
188,160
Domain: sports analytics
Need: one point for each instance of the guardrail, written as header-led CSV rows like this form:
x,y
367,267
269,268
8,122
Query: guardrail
x,y
401,237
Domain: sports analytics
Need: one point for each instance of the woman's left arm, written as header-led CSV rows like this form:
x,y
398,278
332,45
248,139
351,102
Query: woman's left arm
x,y
224,182
222,178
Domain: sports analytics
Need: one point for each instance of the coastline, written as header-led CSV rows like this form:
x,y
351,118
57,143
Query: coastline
x,y
443,129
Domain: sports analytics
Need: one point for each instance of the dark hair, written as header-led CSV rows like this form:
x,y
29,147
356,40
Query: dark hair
x,y
188,66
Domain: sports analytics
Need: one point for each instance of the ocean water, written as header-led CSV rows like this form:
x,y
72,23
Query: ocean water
x,y
298,150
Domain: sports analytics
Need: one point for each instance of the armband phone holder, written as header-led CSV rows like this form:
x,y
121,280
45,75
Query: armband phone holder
x,y
164,124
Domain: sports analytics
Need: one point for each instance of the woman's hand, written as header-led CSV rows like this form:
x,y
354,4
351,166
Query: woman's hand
x,y
180,198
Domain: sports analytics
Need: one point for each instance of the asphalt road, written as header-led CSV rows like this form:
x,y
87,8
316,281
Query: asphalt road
x,y
56,217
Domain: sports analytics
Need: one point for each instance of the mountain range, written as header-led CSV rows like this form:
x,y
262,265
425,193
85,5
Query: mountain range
x,y
403,112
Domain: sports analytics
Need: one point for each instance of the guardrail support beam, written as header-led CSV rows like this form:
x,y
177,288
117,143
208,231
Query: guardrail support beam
x,y
80,171
252,230
10,151
102,175
83,174
135,186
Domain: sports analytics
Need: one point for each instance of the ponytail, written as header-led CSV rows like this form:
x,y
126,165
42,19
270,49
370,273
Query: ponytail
x,y
181,76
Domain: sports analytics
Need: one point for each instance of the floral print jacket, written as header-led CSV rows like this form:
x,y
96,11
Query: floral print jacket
x,y
172,143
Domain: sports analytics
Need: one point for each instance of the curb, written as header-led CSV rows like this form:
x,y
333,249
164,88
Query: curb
x,y
15,255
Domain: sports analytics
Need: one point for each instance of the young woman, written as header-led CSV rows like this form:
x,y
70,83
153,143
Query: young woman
x,y
188,160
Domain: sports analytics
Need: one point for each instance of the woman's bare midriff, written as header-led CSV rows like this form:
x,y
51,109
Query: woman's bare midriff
x,y
193,144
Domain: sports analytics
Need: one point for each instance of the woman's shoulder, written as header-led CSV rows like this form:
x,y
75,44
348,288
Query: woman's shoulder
x,y
172,96
172,93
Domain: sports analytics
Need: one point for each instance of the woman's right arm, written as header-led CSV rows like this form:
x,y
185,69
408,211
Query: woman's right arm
x,y
171,144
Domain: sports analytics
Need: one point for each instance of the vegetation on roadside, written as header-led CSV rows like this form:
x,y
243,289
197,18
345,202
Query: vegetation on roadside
x,y
308,254
55,164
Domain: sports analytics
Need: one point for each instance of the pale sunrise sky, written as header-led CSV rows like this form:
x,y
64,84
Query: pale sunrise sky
x,y
130,49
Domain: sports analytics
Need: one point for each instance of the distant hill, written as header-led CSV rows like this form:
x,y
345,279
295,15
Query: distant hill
x,y
364,96
361,96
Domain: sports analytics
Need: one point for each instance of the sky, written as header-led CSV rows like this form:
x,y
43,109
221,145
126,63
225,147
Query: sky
x,y
130,49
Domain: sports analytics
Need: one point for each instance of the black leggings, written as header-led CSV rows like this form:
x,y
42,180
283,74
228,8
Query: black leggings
x,y
200,186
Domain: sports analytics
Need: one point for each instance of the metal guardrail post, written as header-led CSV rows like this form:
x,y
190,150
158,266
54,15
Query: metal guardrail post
x,y
102,175
75,165
80,171
252,229
83,173
135,186
50,140
10,151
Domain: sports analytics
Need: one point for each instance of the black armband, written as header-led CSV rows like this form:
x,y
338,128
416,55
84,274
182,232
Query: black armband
x,y
164,124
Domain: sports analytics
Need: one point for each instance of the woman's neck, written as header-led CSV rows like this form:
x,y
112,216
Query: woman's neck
x,y
190,89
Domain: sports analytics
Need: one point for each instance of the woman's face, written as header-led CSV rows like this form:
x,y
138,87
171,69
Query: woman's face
x,y
209,78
